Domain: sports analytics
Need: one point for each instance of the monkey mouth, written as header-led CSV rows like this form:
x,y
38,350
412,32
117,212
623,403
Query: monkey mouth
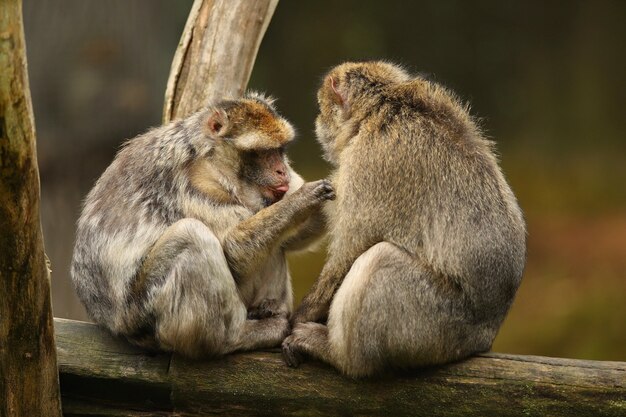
x,y
276,193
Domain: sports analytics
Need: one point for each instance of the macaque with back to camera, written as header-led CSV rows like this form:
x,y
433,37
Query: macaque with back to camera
x,y
427,242
181,243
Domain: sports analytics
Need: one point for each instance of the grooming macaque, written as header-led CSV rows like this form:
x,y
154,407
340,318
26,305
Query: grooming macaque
x,y
427,242
181,242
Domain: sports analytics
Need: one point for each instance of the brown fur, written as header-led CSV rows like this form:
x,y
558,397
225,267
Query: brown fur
x,y
427,241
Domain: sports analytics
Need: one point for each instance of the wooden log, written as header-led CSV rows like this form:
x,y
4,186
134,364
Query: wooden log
x,y
102,375
216,53
29,383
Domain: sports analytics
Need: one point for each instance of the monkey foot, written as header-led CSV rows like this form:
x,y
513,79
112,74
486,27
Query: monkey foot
x,y
292,356
269,307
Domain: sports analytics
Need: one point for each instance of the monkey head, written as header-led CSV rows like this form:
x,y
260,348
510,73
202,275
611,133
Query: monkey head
x,y
254,136
347,91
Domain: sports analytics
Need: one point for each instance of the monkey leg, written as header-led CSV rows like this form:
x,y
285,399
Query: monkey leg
x,y
193,297
264,333
391,311
312,338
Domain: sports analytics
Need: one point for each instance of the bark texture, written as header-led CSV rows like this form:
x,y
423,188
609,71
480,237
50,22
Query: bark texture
x,y
28,369
104,376
216,53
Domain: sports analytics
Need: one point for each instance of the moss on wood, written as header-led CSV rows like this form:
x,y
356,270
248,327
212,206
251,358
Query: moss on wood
x,y
101,375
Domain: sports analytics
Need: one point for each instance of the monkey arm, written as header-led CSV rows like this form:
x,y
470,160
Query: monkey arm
x,y
343,252
303,234
306,233
249,243
316,303
349,239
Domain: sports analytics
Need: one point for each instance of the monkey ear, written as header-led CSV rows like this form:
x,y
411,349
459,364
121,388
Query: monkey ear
x,y
217,123
338,96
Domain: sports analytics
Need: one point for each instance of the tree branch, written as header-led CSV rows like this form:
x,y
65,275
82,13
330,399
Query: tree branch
x,y
102,375
216,53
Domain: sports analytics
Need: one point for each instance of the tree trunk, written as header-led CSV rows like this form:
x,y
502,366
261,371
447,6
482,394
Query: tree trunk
x,y
216,53
29,384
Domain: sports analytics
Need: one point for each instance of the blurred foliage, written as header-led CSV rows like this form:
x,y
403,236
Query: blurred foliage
x,y
546,78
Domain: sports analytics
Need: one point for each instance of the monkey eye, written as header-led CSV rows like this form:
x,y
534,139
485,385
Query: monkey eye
x,y
282,150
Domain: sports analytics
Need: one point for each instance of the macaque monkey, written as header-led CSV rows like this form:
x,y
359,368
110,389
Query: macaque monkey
x,y
427,242
181,243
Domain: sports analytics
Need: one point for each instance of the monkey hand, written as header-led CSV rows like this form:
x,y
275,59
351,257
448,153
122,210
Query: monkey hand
x,y
316,192
291,353
308,199
268,307
295,345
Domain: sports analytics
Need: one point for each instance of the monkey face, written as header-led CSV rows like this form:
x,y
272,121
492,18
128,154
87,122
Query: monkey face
x,y
254,132
268,170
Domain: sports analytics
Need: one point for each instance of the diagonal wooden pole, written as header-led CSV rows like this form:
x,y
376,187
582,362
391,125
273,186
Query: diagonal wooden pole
x,y
216,53
29,383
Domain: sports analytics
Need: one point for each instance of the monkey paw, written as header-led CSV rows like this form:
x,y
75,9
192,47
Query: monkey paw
x,y
324,190
321,190
292,354
305,338
269,307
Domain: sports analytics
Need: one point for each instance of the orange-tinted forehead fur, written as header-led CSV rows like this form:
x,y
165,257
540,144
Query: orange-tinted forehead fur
x,y
256,125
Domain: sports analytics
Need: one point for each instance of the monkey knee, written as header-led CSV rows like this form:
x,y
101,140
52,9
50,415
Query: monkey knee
x,y
354,345
200,323
354,359
196,302
369,265
194,232
191,338
360,314
191,251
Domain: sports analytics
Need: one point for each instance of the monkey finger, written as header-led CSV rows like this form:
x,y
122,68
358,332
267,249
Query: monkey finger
x,y
324,190
327,183
328,186
292,357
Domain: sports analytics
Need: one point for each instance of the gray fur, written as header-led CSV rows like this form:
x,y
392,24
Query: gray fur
x,y
172,218
428,243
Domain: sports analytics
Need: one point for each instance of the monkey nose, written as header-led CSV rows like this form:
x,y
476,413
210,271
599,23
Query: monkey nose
x,y
282,175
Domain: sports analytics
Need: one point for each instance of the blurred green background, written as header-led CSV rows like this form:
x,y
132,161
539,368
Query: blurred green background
x,y
547,78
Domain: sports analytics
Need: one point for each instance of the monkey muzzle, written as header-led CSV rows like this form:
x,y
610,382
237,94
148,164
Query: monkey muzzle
x,y
276,193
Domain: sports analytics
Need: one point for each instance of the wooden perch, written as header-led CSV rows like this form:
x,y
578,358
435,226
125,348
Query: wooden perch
x,y
102,375
216,53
